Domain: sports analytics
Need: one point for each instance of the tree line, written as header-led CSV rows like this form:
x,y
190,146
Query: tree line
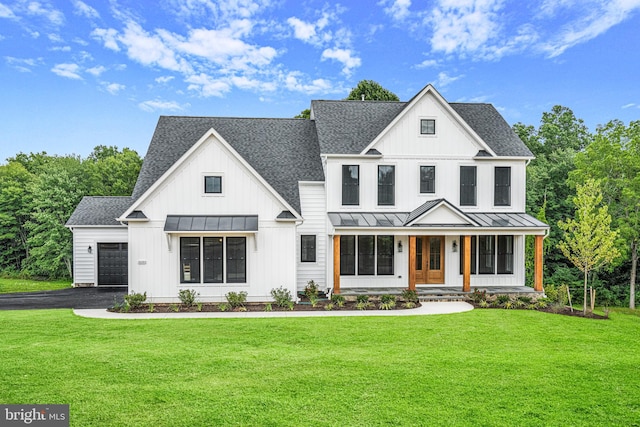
x,y
38,193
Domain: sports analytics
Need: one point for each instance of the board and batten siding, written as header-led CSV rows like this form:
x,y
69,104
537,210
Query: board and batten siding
x,y
154,256
314,212
84,263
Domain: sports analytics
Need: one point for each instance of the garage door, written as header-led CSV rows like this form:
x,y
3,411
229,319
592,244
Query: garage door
x,y
113,264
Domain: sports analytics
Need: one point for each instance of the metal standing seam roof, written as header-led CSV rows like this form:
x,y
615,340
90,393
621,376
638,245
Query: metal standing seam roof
x,y
179,223
401,220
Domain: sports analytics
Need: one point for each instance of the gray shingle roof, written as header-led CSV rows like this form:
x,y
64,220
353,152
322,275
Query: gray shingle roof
x,y
489,124
94,210
347,127
282,151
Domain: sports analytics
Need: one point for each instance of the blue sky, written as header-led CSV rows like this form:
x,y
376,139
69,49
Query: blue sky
x,y
75,74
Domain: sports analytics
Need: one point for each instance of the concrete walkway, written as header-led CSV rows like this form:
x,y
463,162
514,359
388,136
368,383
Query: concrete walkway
x,y
425,309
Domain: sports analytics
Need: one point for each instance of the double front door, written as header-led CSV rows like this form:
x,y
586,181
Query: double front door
x,y
429,259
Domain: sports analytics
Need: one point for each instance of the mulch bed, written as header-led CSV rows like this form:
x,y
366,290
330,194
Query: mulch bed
x,y
250,306
565,311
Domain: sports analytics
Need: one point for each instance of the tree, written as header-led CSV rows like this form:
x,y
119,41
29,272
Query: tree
x,y
555,144
304,114
15,211
111,172
55,194
589,242
613,158
372,91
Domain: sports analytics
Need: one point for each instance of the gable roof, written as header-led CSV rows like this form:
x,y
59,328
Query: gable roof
x,y
348,127
95,210
282,151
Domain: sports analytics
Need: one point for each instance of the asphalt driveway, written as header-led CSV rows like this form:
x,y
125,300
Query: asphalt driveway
x,y
63,298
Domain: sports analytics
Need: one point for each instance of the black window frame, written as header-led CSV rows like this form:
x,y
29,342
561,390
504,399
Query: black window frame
x,y
385,254
427,126
213,257
505,255
468,186
236,260
427,184
502,186
386,186
348,255
193,262
486,254
350,186
208,178
308,248
366,255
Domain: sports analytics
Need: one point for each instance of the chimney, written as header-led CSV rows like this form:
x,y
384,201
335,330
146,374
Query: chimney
x,y
363,96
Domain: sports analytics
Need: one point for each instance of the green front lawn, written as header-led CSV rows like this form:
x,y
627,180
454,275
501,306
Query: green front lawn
x,y
484,367
8,286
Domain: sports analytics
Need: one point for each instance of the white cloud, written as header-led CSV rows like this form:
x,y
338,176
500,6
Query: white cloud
x,y
108,37
24,65
61,49
97,70
113,88
304,31
81,8
427,63
67,70
38,9
444,79
208,86
595,18
164,79
152,106
293,83
344,56
630,105
397,9
6,12
150,49
464,26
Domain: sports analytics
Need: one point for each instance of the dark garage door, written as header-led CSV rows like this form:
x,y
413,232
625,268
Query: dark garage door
x,y
113,264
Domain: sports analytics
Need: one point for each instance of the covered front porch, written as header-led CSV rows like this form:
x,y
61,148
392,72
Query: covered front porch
x,y
442,292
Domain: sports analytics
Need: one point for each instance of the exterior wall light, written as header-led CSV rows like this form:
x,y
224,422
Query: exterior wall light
x,y
454,246
399,246
89,249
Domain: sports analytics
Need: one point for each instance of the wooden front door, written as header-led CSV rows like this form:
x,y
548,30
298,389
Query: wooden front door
x,y
429,265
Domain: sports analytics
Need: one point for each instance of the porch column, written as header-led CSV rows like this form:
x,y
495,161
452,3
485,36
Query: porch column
x,y
412,263
537,283
336,264
466,267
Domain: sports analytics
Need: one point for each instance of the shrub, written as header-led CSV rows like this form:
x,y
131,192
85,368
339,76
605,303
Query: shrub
x,y
174,307
362,298
338,300
409,304
519,303
363,305
268,307
188,297
410,295
282,297
199,306
509,305
525,299
483,304
387,302
503,299
311,290
236,299
313,299
152,307
477,295
329,306
134,300
223,307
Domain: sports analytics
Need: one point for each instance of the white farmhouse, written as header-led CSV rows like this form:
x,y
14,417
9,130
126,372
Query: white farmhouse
x,y
364,195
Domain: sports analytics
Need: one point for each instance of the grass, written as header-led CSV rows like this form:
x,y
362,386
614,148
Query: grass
x,y
8,286
484,367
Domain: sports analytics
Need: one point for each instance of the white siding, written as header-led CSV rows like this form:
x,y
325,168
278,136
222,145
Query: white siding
x,y
154,258
314,212
84,263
